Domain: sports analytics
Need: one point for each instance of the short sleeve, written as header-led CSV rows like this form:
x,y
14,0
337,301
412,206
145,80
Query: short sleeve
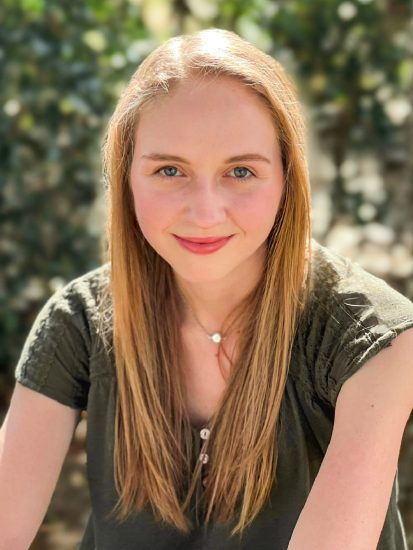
x,y
354,315
55,357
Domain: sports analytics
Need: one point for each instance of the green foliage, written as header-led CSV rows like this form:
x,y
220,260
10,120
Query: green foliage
x,y
347,57
63,65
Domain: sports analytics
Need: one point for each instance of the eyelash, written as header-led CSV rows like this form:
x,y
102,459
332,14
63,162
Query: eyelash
x,y
252,175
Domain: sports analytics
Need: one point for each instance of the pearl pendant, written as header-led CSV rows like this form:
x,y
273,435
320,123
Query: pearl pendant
x,y
216,337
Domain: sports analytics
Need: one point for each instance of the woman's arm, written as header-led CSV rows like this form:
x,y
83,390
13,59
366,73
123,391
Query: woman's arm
x,y
34,440
348,501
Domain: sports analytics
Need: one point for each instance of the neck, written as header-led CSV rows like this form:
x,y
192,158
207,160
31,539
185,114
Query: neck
x,y
212,301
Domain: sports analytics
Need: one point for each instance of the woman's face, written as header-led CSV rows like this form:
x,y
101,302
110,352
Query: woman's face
x,y
207,164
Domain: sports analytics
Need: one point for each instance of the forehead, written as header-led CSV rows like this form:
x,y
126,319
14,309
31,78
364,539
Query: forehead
x,y
211,107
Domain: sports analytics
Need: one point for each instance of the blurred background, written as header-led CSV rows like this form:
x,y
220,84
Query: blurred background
x,y
63,65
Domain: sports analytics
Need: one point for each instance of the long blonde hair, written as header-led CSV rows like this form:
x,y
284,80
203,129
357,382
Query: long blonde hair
x,y
153,455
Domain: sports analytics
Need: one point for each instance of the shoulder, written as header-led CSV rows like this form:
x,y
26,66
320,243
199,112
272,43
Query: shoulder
x,y
87,288
74,312
84,294
339,285
350,316
55,358
87,301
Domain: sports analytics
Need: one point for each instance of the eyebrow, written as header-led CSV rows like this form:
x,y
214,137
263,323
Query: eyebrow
x,y
237,158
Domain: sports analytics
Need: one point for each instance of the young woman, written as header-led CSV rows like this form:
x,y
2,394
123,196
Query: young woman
x,y
245,387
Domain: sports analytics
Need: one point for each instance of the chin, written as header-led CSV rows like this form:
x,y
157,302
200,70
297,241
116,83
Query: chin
x,y
198,275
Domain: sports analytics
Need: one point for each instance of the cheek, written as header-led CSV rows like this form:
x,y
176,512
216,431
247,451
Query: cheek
x,y
152,210
145,208
259,210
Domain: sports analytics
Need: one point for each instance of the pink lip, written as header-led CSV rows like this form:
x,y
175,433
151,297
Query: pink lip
x,y
199,245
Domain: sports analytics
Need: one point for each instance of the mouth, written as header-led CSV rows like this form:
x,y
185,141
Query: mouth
x,y
203,245
203,240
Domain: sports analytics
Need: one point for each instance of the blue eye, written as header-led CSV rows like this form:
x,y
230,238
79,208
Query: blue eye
x,y
242,175
168,169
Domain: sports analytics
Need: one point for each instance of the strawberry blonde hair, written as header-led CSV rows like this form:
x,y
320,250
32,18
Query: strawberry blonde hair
x,y
153,454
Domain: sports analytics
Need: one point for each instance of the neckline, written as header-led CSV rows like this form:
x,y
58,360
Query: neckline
x,y
204,426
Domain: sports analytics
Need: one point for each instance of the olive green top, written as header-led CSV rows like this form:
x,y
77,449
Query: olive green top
x,y
351,316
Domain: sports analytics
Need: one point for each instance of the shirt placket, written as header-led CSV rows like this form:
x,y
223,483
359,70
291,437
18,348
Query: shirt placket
x,y
202,436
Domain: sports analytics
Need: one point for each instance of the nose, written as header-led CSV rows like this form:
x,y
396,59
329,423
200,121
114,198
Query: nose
x,y
206,205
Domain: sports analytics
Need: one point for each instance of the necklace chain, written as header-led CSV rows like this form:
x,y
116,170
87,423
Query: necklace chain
x,y
215,337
